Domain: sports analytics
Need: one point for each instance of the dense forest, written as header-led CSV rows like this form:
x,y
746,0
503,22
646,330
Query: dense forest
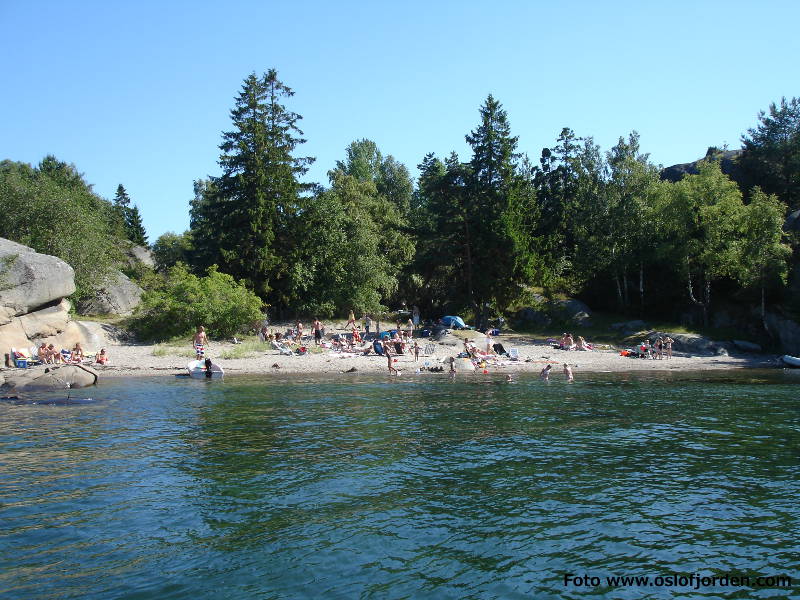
x,y
482,235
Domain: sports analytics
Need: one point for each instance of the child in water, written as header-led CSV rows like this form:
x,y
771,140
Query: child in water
x,y
568,372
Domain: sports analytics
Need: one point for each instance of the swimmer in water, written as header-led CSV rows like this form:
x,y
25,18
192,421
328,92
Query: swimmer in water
x,y
545,373
568,372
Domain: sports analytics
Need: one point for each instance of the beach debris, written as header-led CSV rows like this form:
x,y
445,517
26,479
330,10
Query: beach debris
x,y
276,366
350,370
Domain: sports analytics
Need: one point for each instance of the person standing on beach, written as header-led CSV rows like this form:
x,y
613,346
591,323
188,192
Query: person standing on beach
x,y
410,328
416,351
389,364
351,321
415,315
667,342
568,372
200,341
367,324
317,332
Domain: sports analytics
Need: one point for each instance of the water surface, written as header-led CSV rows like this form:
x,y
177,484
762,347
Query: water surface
x,y
414,487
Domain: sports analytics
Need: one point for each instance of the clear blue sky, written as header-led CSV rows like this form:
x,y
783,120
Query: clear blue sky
x,y
138,93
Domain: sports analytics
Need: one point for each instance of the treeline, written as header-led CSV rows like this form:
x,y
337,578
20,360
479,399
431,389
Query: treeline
x,y
481,235
52,209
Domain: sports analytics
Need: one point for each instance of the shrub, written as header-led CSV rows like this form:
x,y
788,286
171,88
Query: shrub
x,y
185,301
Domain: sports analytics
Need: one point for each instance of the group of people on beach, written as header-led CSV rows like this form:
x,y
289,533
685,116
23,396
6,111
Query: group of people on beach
x,y
567,342
48,354
657,349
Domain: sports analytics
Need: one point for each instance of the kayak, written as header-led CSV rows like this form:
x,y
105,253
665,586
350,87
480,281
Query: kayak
x,y
197,370
792,361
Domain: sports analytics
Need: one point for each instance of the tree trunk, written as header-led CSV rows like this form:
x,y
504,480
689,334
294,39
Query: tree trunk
x,y
641,287
625,301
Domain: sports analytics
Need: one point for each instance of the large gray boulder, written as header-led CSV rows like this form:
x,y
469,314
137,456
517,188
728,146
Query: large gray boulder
x,y
29,280
787,332
118,297
693,343
49,379
140,254
571,307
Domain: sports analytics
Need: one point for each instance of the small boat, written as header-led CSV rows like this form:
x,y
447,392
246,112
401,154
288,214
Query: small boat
x,y
792,361
198,370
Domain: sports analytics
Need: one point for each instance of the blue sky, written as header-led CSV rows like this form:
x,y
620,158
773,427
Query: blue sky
x,y
138,93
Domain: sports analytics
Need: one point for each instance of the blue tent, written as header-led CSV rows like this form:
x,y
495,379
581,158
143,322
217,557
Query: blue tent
x,y
454,322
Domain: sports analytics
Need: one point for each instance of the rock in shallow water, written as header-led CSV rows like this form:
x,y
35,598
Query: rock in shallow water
x,y
50,379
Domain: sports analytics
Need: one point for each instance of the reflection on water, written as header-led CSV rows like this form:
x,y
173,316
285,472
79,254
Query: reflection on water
x,y
421,488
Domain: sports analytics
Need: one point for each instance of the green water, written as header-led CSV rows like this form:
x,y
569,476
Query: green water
x,y
417,487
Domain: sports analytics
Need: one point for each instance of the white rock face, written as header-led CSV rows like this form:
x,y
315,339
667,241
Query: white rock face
x,y
29,280
119,297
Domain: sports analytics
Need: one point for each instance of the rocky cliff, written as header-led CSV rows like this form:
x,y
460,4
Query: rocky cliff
x,y
33,305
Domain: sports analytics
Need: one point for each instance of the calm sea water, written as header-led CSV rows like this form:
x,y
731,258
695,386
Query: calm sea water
x,y
415,487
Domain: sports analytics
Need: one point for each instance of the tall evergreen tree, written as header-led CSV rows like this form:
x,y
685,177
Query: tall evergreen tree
x,y
134,227
495,194
771,156
250,215
130,217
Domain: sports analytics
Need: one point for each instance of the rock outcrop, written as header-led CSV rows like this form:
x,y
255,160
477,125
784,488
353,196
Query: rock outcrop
x,y
544,313
728,159
787,332
140,254
30,281
118,297
33,305
32,291
50,379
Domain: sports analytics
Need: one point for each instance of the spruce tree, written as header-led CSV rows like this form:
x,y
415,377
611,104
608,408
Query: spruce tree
x,y
134,227
255,204
130,217
496,197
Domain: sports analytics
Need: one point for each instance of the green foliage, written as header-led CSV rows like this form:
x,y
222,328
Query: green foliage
x,y
243,350
702,217
130,216
771,152
392,181
171,248
185,301
353,250
54,211
245,219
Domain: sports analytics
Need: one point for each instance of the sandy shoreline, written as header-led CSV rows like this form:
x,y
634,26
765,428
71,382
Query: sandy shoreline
x,y
139,360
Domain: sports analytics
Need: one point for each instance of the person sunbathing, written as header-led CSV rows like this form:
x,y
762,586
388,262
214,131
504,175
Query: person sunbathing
x,y
102,358
582,345
44,354
77,353
567,342
55,355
